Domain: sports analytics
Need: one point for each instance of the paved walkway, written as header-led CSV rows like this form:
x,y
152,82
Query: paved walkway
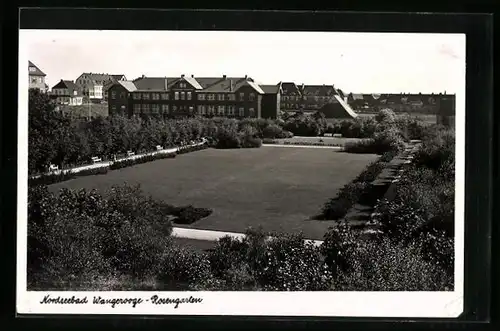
x,y
210,235
105,164
303,146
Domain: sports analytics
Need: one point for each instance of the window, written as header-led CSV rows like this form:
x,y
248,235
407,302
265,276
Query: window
x,y
242,96
220,110
251,97
155,108
231,110
75,92
32,69
176,97
231,97
286,97
252,112
174,108
182,85
305,98
136,96
189,95
211,110
183,95
122,95
137,108
316,98
164,96
242,111
220,97
211,96
201,96
145,96
203,110
156,96
123,108
191,109
145,108
113,108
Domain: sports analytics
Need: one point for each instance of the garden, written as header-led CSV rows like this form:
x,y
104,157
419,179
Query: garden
x,y
119,237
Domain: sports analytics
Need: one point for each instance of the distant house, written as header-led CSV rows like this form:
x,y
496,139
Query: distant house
x,y
36,78
66,92
315,97
94,85
291,98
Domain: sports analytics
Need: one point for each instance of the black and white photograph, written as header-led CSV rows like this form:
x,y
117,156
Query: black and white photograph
x,y
241,172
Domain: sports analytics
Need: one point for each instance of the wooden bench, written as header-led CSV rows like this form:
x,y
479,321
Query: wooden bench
x,y
130,153
328,134
96,159
337,135
159,148
53,167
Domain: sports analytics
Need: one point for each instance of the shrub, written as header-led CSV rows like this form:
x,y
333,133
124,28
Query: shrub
x,y
181,268
139,160
384,265
190,214
386,116
382,142
273,131
251,142
370,173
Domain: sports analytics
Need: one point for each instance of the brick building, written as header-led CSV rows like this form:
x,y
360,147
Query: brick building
x,y
94,85
236,97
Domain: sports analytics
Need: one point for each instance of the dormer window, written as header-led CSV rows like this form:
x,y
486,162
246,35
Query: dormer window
x,y
32,69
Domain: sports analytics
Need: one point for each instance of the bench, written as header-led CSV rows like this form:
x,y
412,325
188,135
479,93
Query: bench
x,y
159,148
130,153
53,167
328,134
337,135
95,159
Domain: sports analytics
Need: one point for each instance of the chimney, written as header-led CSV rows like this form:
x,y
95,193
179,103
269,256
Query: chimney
x,y
182,76
246,76
166,83
223,76
230,85
192,76
143,76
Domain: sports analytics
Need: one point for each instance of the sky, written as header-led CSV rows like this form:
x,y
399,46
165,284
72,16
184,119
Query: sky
x,y
353,62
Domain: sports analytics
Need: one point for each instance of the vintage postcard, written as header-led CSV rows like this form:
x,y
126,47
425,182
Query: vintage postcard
x,y
241,173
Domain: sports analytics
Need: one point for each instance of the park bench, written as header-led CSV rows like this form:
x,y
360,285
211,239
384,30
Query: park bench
x,y
337,135
328,134
159,148
96,159
53,167
130,153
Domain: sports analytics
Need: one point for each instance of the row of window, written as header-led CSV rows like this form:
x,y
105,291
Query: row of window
x,y
201,109
184,96
297,98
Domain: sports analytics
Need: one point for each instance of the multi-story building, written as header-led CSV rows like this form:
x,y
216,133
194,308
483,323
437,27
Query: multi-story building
x,y
66,92
188,96
271,100
93,85
37,78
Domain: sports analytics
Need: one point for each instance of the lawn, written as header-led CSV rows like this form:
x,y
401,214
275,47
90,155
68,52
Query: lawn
x,y
278,188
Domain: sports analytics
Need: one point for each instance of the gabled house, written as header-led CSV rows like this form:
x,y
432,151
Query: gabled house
x,y
37,78
94,85
66,92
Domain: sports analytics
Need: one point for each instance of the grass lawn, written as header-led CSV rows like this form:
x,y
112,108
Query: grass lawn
x,y
278,188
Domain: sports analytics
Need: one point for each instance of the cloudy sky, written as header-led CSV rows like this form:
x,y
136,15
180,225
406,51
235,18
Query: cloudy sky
x,y
354,62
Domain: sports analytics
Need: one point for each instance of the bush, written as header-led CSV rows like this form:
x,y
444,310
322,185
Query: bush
x,y
273,131
189,214
384,265
338,207
384,141
386,116
139,160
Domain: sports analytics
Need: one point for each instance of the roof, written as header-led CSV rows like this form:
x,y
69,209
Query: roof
x,y
151,83
357,96
228,84
193,82
270,89
36,72
70,85
255,87
101,78
118,77
128,85
318,89
289,87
